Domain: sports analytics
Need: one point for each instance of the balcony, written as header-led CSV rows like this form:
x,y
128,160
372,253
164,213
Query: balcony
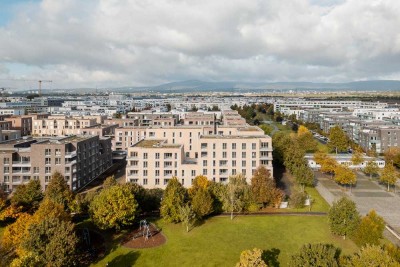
x,y
69,155
21,163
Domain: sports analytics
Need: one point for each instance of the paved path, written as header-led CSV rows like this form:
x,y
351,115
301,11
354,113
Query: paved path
x,y
367,194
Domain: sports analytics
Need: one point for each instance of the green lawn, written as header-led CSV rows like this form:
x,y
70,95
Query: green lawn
x,y
318,203
219,241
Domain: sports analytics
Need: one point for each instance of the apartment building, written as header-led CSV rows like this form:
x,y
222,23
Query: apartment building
x,y
345,159
188,151
79,158
379,138
21,123
6,135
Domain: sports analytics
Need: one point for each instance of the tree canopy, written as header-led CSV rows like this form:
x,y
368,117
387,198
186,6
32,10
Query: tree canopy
x,y
28,195
338,140
311,255
370,230
262,186
389,175
343,217
175,197
251,258
58,190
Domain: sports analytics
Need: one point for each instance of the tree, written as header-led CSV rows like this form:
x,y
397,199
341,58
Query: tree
x,y
345,176
109,181
175,196
251,258
371,255
114,207
187,216
311,255
50,209
392,154
357,157
371,168
370,230
28,195
3,199
58,190
388,175
199,182
168,106
14,233
343,217
237,193
328,165
297,199
338,141
202,203
262,185
304,176
305,139
53,241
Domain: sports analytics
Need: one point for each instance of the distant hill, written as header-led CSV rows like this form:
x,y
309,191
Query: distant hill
x,y
203,86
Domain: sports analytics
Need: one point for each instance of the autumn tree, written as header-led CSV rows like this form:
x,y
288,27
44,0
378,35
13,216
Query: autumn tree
x,y
297,199
262,185
311,255
58,190
305,139
328,165
109,181
357,157
53,241
388,175
371,255
345,176
114,207
370,230
50,209
392,155
338,141
343,217
28,195
371,168
251,258
202,203
3,199
175,196
187,216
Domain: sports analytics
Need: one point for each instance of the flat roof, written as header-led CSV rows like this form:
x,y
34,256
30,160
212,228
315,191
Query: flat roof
x,y
155,143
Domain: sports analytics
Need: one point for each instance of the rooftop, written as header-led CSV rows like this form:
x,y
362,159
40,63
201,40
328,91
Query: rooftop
x,y
155,143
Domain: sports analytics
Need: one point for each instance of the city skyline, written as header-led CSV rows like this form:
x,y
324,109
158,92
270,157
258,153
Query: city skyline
x,y
127,43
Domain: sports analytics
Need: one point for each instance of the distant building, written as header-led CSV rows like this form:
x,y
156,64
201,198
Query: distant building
x,y
345,159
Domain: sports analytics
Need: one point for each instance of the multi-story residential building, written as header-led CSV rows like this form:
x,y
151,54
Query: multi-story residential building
x,y
79,158
188,151
21,123
6,135
379,138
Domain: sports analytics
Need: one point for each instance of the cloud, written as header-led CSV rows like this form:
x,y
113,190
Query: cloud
x,y
143,42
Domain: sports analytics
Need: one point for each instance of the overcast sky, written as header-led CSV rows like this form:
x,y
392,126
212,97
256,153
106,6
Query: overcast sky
x,y
89,43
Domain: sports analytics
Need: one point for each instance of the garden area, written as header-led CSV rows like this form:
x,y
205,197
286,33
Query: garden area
x,y
218,241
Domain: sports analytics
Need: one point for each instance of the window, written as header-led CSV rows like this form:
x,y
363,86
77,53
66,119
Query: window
x,y
47,178
233,155
48,161
253,154
223,145
233,163
157,155
224,155
243,154
157,173
244,171
203,145
167,155
47,170
193,172
58,161
145,155
214,146
157,181
145,181
204,171
205,163
157,164
233,172
6,161
144,172
47,152
183,173
6,178
144,164
253,163
243,163
233,145
214,155
243,145
58,152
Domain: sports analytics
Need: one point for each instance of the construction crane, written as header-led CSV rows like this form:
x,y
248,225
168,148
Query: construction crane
x,y
30,80
40,85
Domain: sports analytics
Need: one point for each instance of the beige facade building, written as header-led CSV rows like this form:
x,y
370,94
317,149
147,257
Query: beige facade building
x,y
79,158
188,151
21,123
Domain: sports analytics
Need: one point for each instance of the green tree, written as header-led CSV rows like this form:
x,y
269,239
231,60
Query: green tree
x,y
58,190
251,258
338,141
371,168
262,185
345,176
237,193
53,241
187,216
311,255
370,230
28,195
371,255
297,199
305,139
343,217
109,181
202,203
388,175
114,207
175,197
304,176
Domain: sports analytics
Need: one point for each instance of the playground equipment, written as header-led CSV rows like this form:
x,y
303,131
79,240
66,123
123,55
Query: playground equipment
x,y
144,230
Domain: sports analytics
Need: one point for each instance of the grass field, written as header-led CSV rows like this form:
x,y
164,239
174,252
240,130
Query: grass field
x,y
219,241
